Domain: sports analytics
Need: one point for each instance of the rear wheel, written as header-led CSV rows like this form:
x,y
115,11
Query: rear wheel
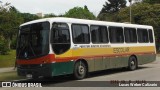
x,y
80,70
132,64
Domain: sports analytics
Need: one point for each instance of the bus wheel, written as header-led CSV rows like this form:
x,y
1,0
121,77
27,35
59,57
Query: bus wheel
x,y
80,70
132,64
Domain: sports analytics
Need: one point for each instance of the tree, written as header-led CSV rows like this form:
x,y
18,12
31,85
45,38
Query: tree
x,y
110,9
152,1
113,6
28,17
9,22
49,15
79,12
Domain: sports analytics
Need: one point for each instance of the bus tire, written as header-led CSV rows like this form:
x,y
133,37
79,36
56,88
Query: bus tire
x,y
132,63
80,70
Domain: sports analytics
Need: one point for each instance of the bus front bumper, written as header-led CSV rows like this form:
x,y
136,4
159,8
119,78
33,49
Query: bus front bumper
x,y
34,71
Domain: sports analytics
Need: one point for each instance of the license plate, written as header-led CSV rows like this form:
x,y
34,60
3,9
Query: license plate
x,y
29,75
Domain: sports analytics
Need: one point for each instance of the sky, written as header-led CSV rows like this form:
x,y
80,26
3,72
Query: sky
x,y
55,6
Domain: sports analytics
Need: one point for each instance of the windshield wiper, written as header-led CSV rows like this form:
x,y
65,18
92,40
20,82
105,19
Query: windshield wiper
x,y
32,49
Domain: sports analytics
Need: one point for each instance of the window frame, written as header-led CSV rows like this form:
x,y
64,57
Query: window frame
x,y
122,34
99,38
68,32
81,29
135,34
138,35
69,43
151,34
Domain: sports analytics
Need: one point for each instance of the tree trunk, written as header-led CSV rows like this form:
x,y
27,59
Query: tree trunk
x,y
9,43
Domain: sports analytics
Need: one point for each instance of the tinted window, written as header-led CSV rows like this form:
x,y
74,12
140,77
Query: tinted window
x,y
150,35
99,34
33,40
130,35
116,34
60,38
60,33
80,33
142,35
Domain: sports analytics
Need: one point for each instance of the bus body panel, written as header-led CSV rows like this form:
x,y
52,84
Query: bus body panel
x,y
98,56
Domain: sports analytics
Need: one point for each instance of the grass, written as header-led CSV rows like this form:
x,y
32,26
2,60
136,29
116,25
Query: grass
x,y
8,60
9,76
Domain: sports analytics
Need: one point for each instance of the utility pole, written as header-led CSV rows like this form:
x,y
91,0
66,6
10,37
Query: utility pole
x,y
130,1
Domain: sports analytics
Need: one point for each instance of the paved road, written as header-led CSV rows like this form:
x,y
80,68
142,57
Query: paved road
x,y
148,72
8,69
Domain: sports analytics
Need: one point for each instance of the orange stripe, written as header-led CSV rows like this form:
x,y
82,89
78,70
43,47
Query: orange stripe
x,y
64,59
46,59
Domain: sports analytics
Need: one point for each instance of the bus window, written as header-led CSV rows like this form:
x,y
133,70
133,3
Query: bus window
x,y
142,35
130,35
150,35
60,38
99,34
116,34
80,34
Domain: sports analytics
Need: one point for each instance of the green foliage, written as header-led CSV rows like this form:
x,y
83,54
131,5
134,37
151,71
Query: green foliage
x,y
113,6
13,43
110,9
3,49
49,15
10,19
152,1
9,22
142,13
81,13
28,17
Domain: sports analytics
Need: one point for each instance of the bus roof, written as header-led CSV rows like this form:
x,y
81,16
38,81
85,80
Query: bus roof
x,y
84,21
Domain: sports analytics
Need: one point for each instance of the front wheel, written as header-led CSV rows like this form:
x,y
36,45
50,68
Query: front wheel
x,y
80,70
132,63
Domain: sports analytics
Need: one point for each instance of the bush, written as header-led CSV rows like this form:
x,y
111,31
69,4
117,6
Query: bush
x,y
3,47
13,43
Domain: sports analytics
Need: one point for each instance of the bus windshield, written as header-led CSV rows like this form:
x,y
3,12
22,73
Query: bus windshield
x,y
33,40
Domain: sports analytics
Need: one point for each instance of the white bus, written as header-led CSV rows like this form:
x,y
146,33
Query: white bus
x,y
59,46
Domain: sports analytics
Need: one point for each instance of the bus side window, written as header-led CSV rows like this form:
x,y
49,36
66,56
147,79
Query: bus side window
x,y
60,38
116,34
130,35
150,35
142,35
99,34
80,34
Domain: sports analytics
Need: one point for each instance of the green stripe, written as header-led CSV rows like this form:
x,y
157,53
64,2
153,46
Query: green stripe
x,y
144,59
62,68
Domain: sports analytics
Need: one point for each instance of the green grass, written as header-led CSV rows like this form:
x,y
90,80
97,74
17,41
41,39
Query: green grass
x,y
8,60
9,76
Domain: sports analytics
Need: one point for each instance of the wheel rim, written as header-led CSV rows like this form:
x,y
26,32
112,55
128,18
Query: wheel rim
x,y
133,64
81,70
